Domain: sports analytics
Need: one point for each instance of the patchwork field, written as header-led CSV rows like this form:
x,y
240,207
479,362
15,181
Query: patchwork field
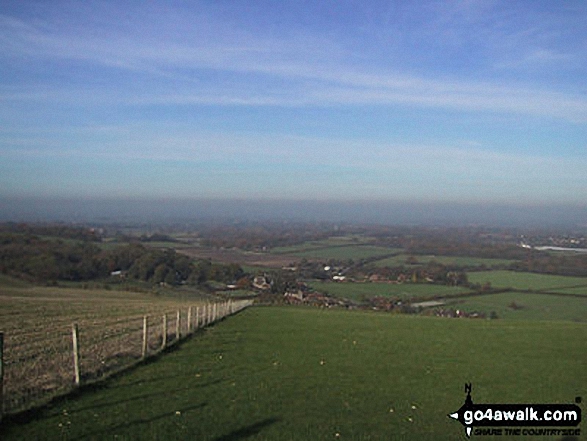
x,y
414,261
354,252
407,291
307,374
519,280
350,240
244,258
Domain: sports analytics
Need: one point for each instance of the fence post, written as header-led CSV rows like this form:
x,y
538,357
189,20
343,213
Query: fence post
x,y
145,337
164,343
189,320
178,325
197,317
74,336
1,375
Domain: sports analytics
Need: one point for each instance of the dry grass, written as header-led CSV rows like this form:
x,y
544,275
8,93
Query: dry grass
x,y
37,326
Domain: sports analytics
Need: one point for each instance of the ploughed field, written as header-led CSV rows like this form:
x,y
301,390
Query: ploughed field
x,y
287,373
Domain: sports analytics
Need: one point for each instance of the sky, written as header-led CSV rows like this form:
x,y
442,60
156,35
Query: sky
x,y
472,101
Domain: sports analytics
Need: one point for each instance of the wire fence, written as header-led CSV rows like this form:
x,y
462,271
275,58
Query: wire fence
x,y
39,364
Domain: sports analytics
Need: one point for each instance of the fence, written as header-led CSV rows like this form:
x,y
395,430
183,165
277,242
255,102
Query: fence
x,y
39,364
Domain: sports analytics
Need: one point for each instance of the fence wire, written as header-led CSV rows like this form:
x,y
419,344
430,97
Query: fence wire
x,y
38,363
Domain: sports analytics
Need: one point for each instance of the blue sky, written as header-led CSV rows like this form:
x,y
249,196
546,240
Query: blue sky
x,y
474,101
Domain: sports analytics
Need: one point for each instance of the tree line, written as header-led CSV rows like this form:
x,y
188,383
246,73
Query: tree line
x,y
34,258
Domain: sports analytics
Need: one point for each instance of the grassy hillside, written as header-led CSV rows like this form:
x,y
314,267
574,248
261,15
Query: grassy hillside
x,y
307,374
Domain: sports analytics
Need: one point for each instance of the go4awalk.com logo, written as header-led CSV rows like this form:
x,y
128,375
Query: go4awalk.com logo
x,y
518,419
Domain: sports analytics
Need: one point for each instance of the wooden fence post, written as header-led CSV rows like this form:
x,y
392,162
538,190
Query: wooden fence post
x,y
1,375
164,343
145,337
197,317
190,320
178,325
74,336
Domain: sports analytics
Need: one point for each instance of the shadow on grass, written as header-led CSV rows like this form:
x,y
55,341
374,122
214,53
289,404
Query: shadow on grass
x,y
142,397
248,431
111,430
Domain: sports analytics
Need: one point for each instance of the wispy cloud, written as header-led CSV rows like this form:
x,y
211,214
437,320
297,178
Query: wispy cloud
x,y
443,100
313,72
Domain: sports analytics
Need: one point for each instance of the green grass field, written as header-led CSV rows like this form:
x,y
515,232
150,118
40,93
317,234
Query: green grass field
x,y
358,291
518,280
307,374
455,261
582,291
532,306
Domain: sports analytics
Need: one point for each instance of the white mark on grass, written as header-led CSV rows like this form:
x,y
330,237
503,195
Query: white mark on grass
x,y
177,412
322,362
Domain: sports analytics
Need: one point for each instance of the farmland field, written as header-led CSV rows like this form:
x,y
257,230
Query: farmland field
x,y
324,243
37,326
527,306
354,252
579,291
519,280
402,260
175,245
245,258
306,374
358,291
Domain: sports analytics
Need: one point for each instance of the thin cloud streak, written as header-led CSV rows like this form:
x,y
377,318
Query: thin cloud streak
x,y
300,151
324,80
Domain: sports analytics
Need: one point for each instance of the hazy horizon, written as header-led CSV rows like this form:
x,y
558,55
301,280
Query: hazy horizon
x,y
427,101
354,212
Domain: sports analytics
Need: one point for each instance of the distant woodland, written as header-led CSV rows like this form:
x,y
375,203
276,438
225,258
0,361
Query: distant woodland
x,y
72,254
60,252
